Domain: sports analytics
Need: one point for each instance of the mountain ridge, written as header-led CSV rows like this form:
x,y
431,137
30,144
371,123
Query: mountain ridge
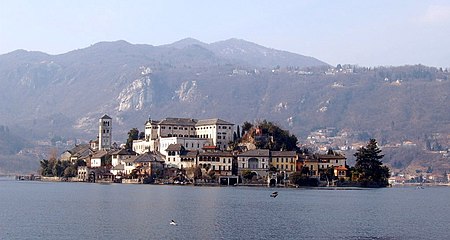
x,y
65,94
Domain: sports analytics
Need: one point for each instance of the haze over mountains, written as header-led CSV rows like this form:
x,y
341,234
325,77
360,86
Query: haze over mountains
x,y
47,96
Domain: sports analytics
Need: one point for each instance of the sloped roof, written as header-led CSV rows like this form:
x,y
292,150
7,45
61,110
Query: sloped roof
x,y
119,167
284,153
330,156
178,121
216,154
79,148
123,152
212,121
150,121
106,117
100,154
340,168
148,157
175,147
255,153
192,154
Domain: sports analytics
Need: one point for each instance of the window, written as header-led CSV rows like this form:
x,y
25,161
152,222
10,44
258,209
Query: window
x,y
170,127
174,128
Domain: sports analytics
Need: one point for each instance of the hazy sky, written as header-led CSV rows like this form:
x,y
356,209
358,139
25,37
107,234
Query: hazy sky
x,y
367,33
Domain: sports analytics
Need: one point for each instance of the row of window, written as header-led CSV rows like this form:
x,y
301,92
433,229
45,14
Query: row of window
x,y
185,128
213,159
288,160
285,167
213,167
254,166
190,136
291,160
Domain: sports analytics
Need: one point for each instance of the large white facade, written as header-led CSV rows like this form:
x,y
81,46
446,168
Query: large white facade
x,y
191,133
188,143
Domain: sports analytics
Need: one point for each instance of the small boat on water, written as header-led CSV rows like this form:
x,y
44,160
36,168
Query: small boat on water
x,y
173,222
274,194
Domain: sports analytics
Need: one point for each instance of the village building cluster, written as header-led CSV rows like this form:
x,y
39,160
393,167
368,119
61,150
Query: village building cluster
x,y
172,146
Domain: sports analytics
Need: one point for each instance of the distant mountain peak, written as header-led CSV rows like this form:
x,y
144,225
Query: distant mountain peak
x,y
112,43
185,43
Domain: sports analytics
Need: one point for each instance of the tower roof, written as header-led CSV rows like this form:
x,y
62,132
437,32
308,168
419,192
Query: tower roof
x,y
106,117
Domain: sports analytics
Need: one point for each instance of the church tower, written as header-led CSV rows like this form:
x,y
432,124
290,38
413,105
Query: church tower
x,y
104,133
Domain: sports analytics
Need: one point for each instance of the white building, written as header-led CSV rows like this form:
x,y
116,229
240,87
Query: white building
x,y
191,133
190,144
119,155
257,160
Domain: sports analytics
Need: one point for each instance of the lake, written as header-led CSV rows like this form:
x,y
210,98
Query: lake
x,y
49,210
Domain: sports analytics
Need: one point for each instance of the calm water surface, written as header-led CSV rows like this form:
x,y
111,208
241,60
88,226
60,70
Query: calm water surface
x,y
42,210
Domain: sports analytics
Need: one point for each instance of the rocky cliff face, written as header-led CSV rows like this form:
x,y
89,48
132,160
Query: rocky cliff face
x,y
137,94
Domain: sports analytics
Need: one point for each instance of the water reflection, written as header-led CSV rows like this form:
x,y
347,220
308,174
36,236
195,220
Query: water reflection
x,y
32,210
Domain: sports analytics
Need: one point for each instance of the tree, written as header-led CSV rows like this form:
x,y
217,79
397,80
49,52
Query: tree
x,y
141,135
133,134
70,171
197,173
276,138
369,166
238,131
246,127
300,179
212,174
247,174
57,169
272,169
46,168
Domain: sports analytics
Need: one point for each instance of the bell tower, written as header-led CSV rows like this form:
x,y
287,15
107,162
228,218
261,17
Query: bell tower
x,y
104,132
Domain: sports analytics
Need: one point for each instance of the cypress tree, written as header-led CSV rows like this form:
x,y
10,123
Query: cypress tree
x,y
370,167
